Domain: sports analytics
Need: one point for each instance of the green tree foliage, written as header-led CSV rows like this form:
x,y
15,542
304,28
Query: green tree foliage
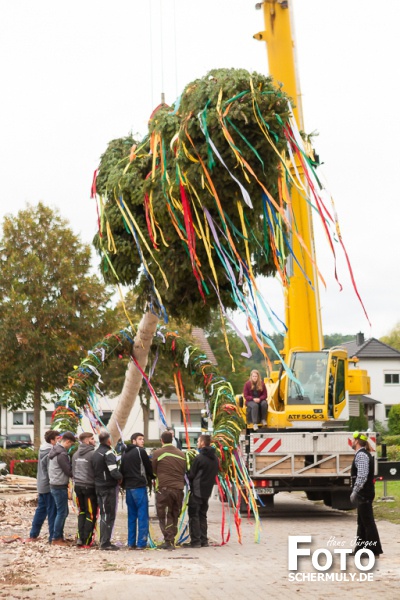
x,y
359,423
335,339
153,191
394,420
51,307
393,339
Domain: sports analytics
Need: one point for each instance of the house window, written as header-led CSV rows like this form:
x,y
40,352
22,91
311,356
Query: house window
x,y
387,410
151,415
18,418
49,414
193,419
392,378
29,418
176,417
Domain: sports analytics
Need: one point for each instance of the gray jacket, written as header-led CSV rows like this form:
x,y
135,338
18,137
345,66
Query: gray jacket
x,y
43,483
82,467
59,467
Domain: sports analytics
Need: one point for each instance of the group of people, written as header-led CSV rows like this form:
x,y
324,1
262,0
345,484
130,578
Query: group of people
x,y
98,476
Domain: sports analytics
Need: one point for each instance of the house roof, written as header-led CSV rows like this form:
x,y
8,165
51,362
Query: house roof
x,y
365,399
202,342
371,348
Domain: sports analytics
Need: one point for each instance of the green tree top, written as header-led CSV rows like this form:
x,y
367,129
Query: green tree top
x,y
185,213
393,339
51,308
394,420
335,339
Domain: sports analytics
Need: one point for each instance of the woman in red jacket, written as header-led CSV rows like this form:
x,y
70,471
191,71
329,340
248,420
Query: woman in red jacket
x,y
255,395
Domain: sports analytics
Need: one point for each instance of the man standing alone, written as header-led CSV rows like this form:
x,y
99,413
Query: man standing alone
x,y
60,472
83,474
136,470
201,476
106,478
363,494
46,506
169,466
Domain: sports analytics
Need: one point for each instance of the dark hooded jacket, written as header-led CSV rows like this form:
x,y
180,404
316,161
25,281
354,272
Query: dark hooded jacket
x,y
203,472
130,467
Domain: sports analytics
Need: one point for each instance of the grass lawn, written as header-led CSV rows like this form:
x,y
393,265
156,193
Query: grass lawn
x,y
390,511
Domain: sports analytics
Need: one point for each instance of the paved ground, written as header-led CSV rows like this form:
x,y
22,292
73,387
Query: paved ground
x,y
246,571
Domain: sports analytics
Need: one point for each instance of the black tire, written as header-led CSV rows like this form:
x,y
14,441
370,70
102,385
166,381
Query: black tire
x,y
327,498
314,496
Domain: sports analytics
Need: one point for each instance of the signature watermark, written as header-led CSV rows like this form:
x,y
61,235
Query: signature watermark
x,y
328,564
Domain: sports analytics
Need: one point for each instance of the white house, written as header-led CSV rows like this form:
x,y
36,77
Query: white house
x,y
383,365
21,421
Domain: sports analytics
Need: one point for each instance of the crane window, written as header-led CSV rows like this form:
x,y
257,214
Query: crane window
x,y
340,393
309,368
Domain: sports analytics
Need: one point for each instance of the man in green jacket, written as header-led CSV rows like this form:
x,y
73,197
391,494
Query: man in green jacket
x,y
169,466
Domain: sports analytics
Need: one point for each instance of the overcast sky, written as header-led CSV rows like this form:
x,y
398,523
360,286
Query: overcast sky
x,y
77,74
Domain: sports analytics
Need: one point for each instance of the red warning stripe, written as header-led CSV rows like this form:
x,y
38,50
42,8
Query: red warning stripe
x,y
276,446
265,443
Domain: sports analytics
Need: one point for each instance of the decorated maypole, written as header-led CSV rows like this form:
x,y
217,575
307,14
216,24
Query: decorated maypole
x,y
189,217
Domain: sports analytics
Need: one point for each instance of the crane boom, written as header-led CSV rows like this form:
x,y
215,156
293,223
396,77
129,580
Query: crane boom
x,y
302,307
305,444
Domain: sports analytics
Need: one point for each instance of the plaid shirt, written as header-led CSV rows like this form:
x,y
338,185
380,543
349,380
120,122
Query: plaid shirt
x,y
362,464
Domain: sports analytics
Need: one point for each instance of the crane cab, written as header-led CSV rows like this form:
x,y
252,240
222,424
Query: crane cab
x,y
314,395
317,390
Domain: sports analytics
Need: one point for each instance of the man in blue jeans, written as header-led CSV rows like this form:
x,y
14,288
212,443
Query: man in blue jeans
x,y
60,471
137,471
46,506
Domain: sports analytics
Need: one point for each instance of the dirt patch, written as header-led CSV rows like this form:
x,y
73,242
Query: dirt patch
x,y
156,572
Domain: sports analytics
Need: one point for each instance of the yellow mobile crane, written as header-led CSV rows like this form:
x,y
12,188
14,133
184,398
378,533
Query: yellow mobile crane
x,y
325,376
304,446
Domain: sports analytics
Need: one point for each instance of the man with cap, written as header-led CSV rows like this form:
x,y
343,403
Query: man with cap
x,y
60,471
46,506
363,494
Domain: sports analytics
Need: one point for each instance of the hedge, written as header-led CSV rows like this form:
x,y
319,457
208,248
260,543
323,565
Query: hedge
x,y
27,469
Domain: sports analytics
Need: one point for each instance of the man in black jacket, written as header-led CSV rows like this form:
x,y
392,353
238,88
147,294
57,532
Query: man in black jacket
x,y
201,476
136,470
106,478
83,474
363,494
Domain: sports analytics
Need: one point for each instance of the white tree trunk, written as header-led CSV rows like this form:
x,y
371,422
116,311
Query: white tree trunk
x,y
133,379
